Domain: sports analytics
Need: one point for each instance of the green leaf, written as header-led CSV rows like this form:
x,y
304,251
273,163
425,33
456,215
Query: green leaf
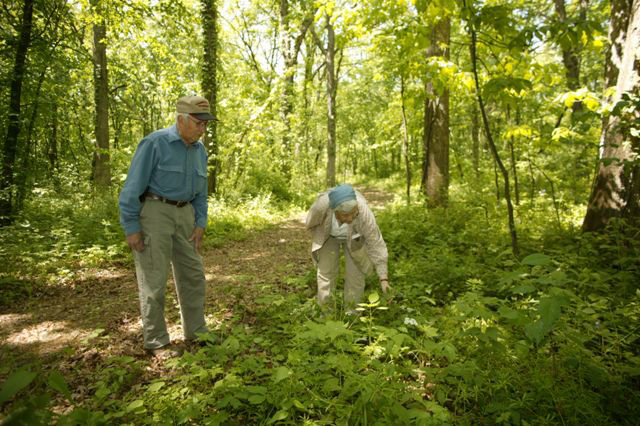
x,y
549,310
331,385
535,331
281,373
15,383
537,259
508,313
256,399
374,297
231,344
57,382
279,415
134,405
155,387
524,289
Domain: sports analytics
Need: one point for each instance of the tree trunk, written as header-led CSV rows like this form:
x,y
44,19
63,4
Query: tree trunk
x,y
52,152
570,51
475,137
427,129
308,83
209,14
437,179
615,190
405,142
331,105
286,98
102,168
26,171
13,128
514,160
492,145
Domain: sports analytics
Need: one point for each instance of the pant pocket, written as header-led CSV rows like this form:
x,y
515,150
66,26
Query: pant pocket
x,y
145,257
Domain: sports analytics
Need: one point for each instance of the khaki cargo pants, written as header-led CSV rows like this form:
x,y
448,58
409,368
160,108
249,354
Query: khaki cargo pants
x,y
166,230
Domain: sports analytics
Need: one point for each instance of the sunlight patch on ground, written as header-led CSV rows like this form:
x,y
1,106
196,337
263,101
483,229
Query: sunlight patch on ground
x,y
10,320
57,333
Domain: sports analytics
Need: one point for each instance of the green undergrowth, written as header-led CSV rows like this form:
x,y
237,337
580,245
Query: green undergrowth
x,y
58,235
472,335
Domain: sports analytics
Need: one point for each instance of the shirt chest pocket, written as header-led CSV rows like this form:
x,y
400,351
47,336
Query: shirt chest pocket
x,y
170,176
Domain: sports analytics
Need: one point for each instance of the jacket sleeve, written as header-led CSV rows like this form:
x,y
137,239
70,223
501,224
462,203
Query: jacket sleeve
x,y
374,243
317,212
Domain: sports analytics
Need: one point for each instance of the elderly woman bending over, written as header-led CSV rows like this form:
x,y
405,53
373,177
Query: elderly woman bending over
x,y
341,218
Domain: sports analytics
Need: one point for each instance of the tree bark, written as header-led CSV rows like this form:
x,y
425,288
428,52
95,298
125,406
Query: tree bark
x,y
615,190
475,138
331,105
13,128
209,13
52,151
290,48
405,142
329,62
437,150
571,49
102,167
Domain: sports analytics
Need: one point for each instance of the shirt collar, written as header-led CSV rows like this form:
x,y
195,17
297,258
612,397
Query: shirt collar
x,y
173,130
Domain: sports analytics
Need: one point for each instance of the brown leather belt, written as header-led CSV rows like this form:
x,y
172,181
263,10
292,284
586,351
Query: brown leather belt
x,y
152,196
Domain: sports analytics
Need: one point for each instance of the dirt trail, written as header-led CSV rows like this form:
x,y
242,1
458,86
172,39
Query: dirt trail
x,y
75,327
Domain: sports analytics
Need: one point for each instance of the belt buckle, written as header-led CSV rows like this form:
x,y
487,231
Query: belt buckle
x,y
181,203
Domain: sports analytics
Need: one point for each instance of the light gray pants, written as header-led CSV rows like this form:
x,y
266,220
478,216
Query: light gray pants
x,y
166,230
328,266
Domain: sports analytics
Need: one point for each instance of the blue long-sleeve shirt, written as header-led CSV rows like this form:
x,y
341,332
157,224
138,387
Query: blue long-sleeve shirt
x,y
164,165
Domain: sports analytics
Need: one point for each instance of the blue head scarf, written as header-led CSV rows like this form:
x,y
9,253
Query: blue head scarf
x,y
340,194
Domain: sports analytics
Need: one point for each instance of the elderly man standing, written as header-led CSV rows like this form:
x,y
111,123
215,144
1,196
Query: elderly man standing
x,y
163,210
341,218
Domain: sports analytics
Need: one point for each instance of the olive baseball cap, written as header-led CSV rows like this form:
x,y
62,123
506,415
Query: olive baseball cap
x,y
196,106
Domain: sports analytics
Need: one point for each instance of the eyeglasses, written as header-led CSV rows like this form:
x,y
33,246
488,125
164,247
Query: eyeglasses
x,y
199,123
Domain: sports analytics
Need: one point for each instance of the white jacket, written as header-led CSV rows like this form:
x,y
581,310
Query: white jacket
x,y
368,247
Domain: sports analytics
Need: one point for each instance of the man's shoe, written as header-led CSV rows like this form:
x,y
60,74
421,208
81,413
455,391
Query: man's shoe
x,y
164,352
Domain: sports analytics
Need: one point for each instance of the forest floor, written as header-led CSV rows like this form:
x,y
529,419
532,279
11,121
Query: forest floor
x,y
77,328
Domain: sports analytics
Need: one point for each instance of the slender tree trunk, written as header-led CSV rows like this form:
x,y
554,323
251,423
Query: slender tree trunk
x,y
492,145
308,83
52,152
570,51
437,180
290,48
513,157
615,191
496,181
405,142
475,138
331,105
427,135
13,129
209,13
26,171
102,168
533,181
286,98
